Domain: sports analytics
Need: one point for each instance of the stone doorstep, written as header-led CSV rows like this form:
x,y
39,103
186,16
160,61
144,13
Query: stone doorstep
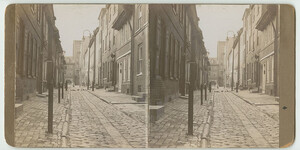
x,y
184,97
110,89
138,98
18,110
156,111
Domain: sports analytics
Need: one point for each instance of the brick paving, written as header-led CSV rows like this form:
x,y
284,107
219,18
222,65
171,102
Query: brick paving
x,y
32,125
171,129
95,123
238,124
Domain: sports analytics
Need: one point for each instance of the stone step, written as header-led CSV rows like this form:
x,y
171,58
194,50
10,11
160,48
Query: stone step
x,y
110,89
138,98
156,112
18,110
143,94
184,97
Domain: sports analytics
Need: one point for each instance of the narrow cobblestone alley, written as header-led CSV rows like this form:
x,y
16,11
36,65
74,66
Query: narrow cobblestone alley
x,y
240,124
170,130
96,123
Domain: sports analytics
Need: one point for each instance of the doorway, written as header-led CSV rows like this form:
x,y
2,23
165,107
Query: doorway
x,y
120,77
264,79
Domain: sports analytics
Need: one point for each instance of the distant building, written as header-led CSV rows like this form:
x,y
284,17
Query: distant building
x,y
76,57
69,70
220,59
214,70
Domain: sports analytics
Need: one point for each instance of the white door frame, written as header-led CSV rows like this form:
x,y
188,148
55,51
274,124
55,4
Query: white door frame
x,y
120,77
264,71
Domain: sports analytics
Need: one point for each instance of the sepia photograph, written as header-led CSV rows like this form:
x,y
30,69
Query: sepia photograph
x,y
213,77
146,75
81,75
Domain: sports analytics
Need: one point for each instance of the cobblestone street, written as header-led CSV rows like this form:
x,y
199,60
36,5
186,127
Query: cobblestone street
x,y
96,123
237,123
225,121
31,125
171,129
82,120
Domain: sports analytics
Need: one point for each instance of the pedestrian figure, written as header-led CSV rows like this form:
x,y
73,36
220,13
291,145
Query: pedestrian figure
x,y
209,87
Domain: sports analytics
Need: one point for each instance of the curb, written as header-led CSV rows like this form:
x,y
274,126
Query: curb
x,y
243,99
100,97
65,128
208,122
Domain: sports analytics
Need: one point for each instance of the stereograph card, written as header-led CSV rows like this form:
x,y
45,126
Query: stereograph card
x,y
150,75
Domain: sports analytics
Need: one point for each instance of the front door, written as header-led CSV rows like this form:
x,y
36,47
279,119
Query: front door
x,y
120,77
264,78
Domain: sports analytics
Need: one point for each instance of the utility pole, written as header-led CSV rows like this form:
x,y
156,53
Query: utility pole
x,y
192,78
182,86
50,80
238,75
94,76
232,71
63,82
132,27
205,86
275,29
88,82
58,80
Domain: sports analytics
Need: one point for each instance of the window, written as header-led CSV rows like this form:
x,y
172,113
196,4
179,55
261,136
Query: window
x,y
272,69
175,58
140,59
171,57
267,70
158,31
25,54
109,40
20,47
129,65
139,16
30,55
181,13
34,55
33,8
167,52
114,39
45,28
179,59
124,70
174,8
39,14
257,38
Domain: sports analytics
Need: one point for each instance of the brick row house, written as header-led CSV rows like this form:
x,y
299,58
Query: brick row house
x,y
251,56
114,55
37,41
175,42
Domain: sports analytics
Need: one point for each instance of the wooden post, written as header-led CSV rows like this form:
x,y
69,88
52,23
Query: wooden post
x,y
50,95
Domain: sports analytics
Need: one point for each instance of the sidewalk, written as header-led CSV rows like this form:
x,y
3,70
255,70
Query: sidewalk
x,y
171,129
256,98
123,102
264,102
113,97
32,125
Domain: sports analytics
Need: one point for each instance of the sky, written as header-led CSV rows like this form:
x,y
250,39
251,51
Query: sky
x,y
72,20
216,21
